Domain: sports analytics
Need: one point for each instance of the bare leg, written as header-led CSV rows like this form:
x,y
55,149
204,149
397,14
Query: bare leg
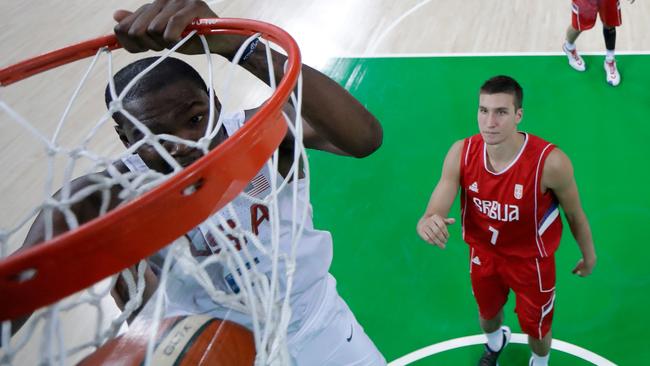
x,y
491,325
572,34
542,346
497,339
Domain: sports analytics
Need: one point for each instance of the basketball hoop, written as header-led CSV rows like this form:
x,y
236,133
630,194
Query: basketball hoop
x,y
48,272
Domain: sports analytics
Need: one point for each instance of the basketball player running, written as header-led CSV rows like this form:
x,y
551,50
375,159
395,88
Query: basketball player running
x,y
583,18
173,99
512,185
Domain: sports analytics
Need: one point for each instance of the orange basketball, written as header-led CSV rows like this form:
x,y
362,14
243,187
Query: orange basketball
x,y
183,341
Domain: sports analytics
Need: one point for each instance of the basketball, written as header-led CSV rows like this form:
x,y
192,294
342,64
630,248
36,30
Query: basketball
x,y
189,340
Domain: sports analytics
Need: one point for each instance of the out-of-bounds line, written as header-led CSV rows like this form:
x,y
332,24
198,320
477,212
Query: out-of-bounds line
x,y
480,339
479,54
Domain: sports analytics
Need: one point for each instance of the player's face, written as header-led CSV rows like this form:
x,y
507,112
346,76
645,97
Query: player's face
x,y
180,109
498,117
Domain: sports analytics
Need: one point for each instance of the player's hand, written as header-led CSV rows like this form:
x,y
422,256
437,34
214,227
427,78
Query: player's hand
x,y
159,25
433,229
584,267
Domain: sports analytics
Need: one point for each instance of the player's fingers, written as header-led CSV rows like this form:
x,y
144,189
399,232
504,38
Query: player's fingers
x,y
439,237
428,238
421,230
124,34
575,269
140,28
428,232
441,226
120,14
449,221
184,17
578,268
158,25
434,226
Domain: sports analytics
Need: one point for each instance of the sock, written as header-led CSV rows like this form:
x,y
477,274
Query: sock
x,y
495,340
610,39
569,46
610,55
539,360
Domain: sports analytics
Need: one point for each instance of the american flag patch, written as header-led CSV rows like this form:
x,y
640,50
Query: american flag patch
x,y
258,185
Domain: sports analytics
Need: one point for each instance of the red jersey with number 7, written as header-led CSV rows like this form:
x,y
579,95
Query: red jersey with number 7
x,y
506,212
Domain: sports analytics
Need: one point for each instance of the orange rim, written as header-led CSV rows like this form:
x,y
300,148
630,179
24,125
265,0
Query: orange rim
x,y
77,259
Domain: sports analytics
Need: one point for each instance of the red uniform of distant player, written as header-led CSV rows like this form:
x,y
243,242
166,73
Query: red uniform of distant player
x,y
512,186
508,220
584,13
583,17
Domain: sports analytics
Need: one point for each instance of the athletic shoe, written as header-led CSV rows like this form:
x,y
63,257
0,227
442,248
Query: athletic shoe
x,y
575,60
611,73
490,357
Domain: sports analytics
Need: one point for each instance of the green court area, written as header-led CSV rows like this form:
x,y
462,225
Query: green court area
x,y
409,295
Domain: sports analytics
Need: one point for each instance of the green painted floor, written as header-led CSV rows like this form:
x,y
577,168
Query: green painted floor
x,y
409,295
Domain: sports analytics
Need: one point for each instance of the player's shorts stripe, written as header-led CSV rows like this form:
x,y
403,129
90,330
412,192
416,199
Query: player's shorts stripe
x,y
546,309
550,216
539,279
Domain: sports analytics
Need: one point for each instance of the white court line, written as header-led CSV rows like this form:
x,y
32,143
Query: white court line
x,y
373,46
370,50
481,54
481,339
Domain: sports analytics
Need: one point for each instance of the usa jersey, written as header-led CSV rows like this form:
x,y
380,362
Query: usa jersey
x,y
313,253
506,212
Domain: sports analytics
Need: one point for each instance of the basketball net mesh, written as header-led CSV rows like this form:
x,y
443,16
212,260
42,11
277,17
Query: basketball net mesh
x,y
263,295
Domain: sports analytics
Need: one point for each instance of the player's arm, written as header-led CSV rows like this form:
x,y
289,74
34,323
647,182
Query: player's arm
x,y
335,120
83,211
558,176
432,227
37,233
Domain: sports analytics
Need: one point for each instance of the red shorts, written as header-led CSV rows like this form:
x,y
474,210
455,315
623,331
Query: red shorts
x,y
531,279
584,13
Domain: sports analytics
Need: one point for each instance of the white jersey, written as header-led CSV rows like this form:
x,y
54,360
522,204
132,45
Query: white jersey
x,y
322,329
313,253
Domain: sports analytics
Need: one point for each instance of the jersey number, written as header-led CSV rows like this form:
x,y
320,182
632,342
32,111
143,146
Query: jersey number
x,y
495,235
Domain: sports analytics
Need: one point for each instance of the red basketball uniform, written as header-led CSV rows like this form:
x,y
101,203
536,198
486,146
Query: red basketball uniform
x,y
584,13
513,229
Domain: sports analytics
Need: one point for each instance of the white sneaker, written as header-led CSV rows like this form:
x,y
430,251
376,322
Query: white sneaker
x,y
611,72
574,59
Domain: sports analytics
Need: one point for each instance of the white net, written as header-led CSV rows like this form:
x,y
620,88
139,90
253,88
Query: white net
x,y
238,264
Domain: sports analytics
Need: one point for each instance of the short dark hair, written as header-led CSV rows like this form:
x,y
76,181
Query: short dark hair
x,y
504,84
167,72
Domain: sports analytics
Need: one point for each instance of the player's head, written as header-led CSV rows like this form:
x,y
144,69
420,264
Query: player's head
x,y
171,99
500,109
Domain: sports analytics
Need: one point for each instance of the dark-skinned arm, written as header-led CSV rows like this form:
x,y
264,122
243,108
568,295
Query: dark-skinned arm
x,y
335,120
